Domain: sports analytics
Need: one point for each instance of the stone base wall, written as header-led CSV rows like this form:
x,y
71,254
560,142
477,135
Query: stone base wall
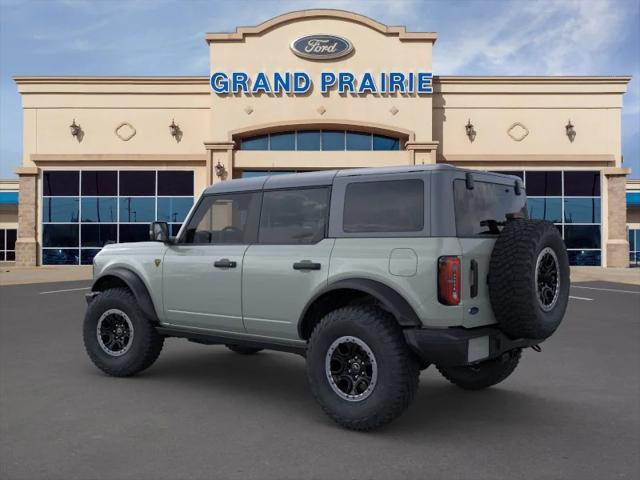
x,y
617,243
26,253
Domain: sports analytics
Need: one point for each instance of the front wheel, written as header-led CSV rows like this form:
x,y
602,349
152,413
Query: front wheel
x,y
118,338
359,367
485,374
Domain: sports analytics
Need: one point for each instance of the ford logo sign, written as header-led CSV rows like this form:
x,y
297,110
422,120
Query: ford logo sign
x,y
321,47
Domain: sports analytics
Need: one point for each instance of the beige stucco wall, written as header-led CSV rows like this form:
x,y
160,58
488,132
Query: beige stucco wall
x,y
268,50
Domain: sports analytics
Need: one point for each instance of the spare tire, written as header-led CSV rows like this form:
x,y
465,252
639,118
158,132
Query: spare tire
x,y
529,279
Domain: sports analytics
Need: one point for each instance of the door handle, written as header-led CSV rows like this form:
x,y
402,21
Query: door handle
x,y
224,263
306,265
474,279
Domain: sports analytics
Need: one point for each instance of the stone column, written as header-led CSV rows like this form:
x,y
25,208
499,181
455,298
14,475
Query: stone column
x,y
219,153
27,242
616,212
422,153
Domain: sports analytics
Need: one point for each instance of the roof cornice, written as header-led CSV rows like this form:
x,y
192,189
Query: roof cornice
x,y
397,31
531,80
115,80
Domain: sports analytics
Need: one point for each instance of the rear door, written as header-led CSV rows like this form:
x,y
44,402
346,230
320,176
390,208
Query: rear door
x,y
290,262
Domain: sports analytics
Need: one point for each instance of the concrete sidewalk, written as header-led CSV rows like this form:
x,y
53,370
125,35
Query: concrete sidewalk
x,y
48,274
65,273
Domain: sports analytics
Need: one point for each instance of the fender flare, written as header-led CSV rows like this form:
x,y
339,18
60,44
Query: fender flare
x,y
395,303
135,284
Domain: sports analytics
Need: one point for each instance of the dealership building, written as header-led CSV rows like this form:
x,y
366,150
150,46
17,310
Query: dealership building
x,y
308,90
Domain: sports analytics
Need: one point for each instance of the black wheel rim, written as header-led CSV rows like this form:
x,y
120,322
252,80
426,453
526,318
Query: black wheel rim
x,y
351,368
114,332
547,279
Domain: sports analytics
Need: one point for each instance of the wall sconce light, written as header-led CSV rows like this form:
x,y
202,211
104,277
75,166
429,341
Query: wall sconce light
x,y
471,132
176,133
76,131
220,170
571,131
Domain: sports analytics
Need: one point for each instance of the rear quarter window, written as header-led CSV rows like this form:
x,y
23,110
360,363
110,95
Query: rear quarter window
x,y
384,206
484,209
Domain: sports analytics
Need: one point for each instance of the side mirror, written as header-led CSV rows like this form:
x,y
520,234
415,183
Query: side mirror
x,y
159,232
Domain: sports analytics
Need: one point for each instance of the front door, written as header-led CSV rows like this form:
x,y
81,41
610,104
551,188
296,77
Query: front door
x,y
289,263
202,273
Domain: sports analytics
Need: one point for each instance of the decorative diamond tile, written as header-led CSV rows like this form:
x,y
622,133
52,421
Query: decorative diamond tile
x,y
321,110
518,131
125,131
248,110
393,110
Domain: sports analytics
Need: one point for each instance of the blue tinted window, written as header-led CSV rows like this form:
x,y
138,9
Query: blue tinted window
x,y
544,183
175,228
632,240
332,140
134,233
60,209
140,183
173,209
175,182
255,143
545,209
283,141
100,209
582,236
60,235
99,183
582,210
60,256
380,142
581,184
87,254
358,141
61,184
134,209
97,235
585,257
309,140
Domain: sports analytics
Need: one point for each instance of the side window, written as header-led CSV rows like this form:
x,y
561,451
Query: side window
x,y
294,216
384,206
225,218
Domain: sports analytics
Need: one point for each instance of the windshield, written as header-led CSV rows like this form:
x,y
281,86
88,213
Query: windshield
x,y
484,209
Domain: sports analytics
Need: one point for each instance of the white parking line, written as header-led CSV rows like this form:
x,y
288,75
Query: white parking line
x,y
66,290
580,298
606,289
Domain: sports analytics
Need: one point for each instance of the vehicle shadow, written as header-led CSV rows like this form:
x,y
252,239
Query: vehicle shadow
x,y
272,380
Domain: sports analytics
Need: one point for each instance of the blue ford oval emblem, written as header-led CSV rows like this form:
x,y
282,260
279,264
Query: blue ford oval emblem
x,y
321,47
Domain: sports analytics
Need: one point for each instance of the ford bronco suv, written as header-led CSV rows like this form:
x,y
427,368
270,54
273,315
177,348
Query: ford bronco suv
x,y
370,274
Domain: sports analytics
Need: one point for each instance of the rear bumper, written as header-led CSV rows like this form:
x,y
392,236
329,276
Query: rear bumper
x,y
450,347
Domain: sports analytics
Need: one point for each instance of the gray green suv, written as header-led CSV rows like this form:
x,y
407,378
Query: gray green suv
x,y
370,274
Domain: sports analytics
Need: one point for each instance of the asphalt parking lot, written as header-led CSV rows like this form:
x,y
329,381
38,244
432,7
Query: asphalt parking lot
x,y
572,411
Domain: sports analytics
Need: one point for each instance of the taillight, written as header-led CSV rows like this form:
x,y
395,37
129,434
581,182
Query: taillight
x,y
449,280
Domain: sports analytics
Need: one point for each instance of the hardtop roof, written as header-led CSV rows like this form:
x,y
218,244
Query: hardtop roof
x,y
324,177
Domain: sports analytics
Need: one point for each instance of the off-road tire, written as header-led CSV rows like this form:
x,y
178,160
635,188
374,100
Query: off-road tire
x,y
242,350
145,346
485,374
512,279
397,368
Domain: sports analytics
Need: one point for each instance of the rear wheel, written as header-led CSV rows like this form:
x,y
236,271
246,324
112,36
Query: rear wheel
x,y
360,369
118,338
485,374
242,350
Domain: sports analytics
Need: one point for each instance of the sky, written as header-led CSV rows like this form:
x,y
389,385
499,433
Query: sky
x,y
163,37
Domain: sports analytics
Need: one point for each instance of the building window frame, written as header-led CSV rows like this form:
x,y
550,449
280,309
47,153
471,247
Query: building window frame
x,y
79,249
